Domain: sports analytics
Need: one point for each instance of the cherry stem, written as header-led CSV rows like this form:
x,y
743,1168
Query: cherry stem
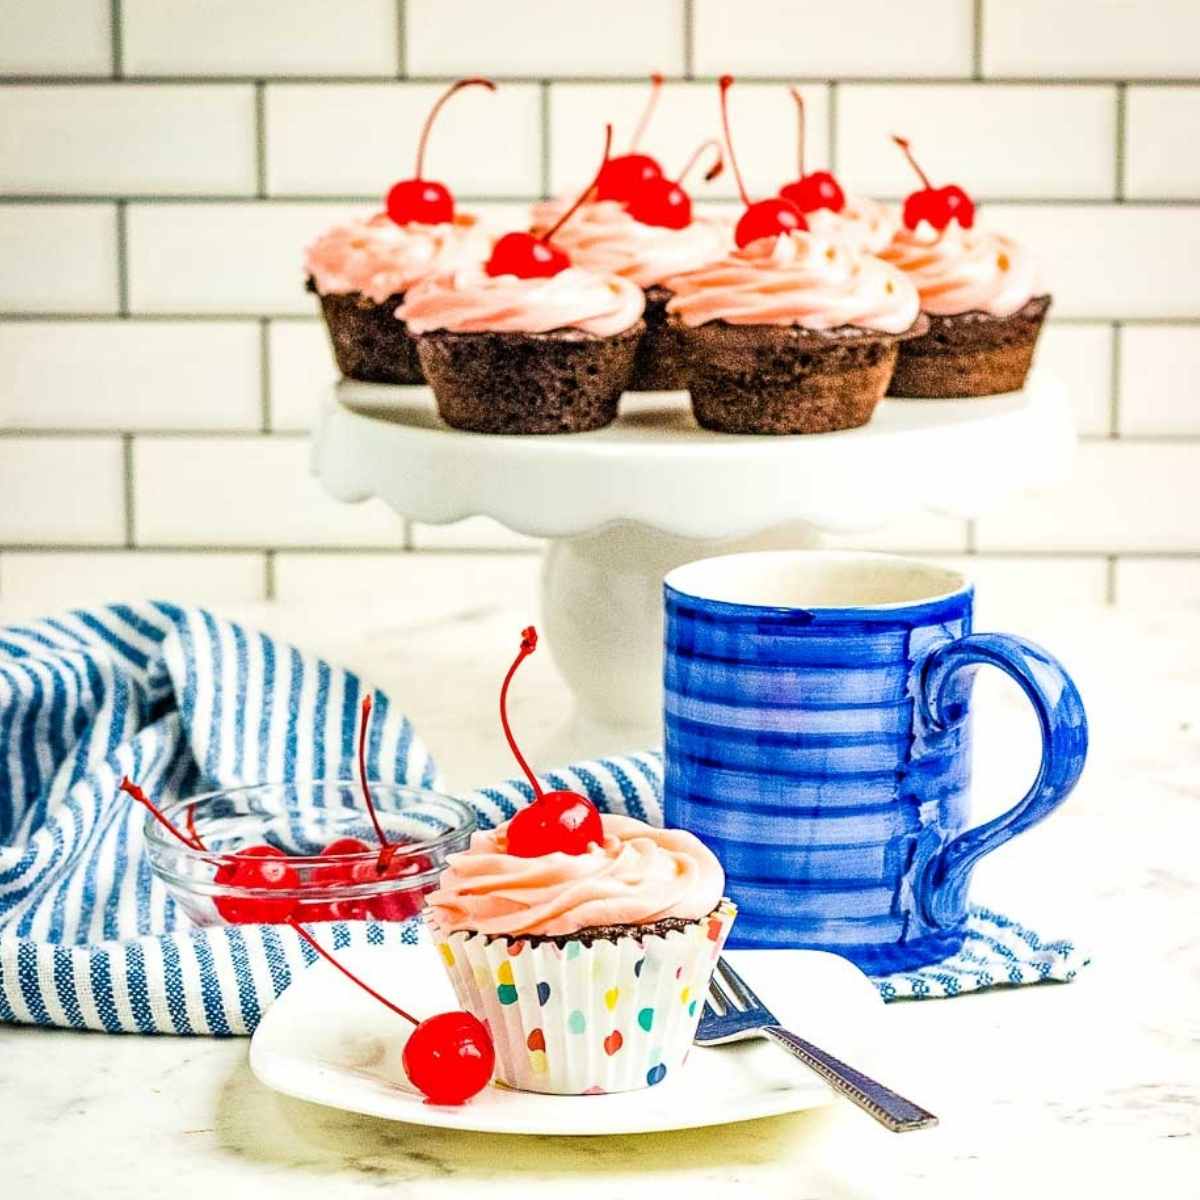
x,y
587,191
904,145
433,112
528,646
713,171
132,789
800,122
312,941
656,82
384,844
726,84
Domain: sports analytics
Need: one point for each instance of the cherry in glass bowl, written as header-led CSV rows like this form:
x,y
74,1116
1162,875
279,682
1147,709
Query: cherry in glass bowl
x,y
306,874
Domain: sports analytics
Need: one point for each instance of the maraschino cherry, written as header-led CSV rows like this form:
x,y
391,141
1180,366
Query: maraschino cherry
x,y
449,1056
762,218
535,257
260,867
563,822
622,177
426,201
818,190
938,206
663,202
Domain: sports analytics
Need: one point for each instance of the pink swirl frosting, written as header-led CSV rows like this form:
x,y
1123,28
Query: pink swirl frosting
x,y
797,279
472,301
865,224
964,270
604,237
379,258
639,875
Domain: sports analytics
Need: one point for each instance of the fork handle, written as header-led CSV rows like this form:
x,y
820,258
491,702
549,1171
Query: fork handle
x,y
887,1107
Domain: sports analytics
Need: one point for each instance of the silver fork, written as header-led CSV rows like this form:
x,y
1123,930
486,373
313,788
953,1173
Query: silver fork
x,y
734,1017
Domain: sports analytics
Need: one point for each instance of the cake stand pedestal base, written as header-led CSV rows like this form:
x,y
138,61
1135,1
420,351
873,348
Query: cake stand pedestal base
x,y
602,612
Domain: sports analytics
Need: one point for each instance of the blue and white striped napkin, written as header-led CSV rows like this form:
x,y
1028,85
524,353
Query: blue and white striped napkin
x,y
184,702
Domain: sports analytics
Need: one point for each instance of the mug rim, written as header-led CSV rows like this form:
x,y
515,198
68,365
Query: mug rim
x,y
958,582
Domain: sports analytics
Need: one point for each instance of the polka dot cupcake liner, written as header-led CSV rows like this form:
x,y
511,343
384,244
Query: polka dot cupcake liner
x,y
575,1020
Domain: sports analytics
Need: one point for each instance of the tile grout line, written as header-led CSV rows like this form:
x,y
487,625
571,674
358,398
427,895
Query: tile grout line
x,y
831,121
689,39
544,122
122,248
260,139
117,32
401,39
1119,147
1110,579
1114,381
269,575
264,373
977,41
128,467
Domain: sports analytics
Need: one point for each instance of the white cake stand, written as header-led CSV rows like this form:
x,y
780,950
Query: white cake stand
x,y
622,506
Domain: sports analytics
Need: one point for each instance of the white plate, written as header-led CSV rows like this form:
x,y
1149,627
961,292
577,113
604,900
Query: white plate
x,y
326,1041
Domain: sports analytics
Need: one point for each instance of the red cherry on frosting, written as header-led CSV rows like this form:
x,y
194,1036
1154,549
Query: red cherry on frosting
x,y
530,257
938,206
425,201
450,1057
526,256
622,177
818,190
766,218
663,202
557,822
562,822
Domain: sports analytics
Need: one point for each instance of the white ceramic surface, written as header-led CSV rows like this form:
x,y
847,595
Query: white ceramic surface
x,y
626,504
327,1042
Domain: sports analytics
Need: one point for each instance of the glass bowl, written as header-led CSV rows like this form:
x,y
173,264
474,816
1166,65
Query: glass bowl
x,y
301,819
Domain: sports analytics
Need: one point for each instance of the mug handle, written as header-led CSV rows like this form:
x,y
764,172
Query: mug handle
x,y
942,694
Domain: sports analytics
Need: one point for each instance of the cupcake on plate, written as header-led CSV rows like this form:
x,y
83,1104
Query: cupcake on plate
x,y
584,941
361,269
979,291
864,224
646,239
526,343
791,332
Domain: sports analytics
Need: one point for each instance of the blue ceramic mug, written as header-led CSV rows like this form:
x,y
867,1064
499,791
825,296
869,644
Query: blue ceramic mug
x,y
818,739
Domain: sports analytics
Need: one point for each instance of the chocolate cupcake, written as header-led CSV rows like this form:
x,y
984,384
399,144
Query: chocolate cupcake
x,y
979,292
604,236
978,289
505,354
792,333
361,271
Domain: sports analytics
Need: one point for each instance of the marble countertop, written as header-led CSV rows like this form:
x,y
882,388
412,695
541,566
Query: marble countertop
x,y
1092,1089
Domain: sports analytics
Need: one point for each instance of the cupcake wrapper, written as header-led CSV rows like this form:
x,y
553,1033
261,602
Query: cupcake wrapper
x,y
573,1020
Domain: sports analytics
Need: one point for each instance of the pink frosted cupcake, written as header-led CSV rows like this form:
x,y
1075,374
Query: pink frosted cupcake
x,y
979,291
647,240
527,342
792,333
589,969
362,269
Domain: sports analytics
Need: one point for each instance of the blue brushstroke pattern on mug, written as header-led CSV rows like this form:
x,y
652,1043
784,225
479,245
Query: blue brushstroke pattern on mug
x,y
823,751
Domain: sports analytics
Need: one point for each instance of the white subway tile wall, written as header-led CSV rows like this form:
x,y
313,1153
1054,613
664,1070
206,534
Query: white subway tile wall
x,y
160,362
